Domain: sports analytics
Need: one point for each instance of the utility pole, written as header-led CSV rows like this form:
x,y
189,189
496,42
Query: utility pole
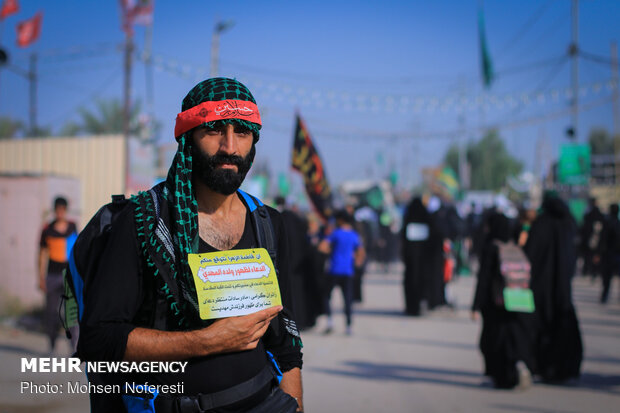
x,y
148,68
32,80
127,102
573,52
127,84
3,55
616,110
220,27
463,166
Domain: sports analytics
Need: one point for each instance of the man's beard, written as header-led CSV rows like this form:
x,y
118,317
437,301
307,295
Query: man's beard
x,y
221,180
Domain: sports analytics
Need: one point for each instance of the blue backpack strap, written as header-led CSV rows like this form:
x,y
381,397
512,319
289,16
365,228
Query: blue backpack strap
x,y
274,365
263,227
137,404
262,224
250,201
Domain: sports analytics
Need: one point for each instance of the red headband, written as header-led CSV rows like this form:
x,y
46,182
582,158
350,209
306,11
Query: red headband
x,y
218,110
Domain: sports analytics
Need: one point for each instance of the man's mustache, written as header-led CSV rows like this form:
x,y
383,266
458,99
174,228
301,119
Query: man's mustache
x,y
219,159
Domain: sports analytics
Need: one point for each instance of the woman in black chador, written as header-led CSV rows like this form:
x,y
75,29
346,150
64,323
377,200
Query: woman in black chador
x,y
421,254
414,254
507,339
552,253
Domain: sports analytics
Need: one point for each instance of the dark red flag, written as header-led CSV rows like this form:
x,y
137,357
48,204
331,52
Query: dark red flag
x,y
8,7
306,160
136,12
29,30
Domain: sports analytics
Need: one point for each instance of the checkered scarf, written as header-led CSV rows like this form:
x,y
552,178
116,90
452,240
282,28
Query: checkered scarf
x,y
182,206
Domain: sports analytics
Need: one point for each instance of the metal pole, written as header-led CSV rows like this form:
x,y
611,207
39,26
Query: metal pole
x,y
463,172
614,79
1,32
127,103
215,50
574,53
150,98
32,79
616,110
220,26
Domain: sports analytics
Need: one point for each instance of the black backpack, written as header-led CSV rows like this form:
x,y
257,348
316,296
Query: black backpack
x,y
86,251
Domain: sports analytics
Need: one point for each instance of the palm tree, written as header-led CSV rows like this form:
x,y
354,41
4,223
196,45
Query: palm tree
x,y
108,119
9,127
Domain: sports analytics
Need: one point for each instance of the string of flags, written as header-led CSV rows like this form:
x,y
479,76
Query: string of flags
x,y
391,103
29,30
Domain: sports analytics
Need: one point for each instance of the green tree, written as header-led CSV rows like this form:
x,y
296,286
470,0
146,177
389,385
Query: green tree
x,y
70,129
601,142
489,160
107,118
9,127
40,132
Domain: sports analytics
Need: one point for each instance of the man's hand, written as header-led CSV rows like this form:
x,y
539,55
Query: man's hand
x,y
224,336
42,266
291,384
42,285
238,333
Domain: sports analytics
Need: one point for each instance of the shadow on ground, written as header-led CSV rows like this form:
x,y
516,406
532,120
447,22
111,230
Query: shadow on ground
x,y
423,342
599,382
20,350
523,408
406,373
452,377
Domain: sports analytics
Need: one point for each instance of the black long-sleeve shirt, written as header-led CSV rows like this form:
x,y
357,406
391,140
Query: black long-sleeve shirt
x,y
114,296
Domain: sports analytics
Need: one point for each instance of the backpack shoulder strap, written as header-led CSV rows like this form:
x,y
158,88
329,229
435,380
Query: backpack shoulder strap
x,y
262,224
265,234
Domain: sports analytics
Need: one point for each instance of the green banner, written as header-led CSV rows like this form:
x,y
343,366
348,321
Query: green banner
x,y
574,164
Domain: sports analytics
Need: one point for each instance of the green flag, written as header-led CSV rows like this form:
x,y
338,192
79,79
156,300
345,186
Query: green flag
x,y
487,65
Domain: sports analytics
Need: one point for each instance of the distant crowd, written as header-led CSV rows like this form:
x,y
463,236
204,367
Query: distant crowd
x,y
524,267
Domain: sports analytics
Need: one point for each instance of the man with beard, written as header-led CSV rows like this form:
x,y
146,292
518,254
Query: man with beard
x,y
142,303
551,249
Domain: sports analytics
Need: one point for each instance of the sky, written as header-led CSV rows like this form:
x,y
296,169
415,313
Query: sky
x,y
381,85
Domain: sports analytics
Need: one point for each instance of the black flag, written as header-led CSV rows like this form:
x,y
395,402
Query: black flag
x,y
306,160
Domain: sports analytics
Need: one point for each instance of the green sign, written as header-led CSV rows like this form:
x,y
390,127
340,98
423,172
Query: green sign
x,y
519,300
574,165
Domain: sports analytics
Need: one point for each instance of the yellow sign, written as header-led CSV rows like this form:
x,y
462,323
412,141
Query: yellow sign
x,y
235,282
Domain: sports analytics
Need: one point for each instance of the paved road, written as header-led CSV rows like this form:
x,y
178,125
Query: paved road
x,y
431,364
391,363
